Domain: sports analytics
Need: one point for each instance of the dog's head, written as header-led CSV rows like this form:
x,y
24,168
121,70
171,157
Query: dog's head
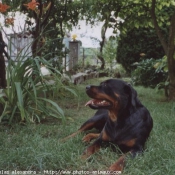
x,y
112,94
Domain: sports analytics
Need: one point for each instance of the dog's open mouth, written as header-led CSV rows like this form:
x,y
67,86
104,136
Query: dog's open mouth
x,y
97,103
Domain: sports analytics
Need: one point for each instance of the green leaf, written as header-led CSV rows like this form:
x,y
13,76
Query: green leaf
x,y
71,90
12,114
167,83
137,25
159,6
172,2
136,1
4,111
19,93
20,102
54,104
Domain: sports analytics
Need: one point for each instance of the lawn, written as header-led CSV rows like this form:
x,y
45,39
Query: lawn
x,y
38,147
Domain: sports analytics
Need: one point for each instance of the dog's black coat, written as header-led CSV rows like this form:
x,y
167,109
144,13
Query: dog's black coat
x,y
121,118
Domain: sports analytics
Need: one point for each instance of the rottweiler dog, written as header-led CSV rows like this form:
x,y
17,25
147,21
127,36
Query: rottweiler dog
x,y
121,119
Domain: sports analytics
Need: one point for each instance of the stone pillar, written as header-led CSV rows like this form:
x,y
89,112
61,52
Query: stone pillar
x,y
74,52
66,41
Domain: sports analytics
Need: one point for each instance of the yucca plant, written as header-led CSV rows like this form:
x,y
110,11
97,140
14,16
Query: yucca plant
x,y
25,98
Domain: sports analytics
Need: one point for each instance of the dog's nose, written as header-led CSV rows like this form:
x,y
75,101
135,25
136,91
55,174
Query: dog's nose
x,y
88,87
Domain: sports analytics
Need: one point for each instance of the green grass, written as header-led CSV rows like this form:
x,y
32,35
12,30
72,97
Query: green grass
x,y
38,147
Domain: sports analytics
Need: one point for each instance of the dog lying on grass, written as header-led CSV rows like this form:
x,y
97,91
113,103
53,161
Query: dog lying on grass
x,y
120,118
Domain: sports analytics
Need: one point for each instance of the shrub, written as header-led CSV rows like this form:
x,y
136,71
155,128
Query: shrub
x,y
147,75
137,41
162,66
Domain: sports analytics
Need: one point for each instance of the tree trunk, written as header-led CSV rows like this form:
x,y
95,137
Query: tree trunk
x,y
103,33
3,83
36,37
169,48
171,58
171,71
157,28
2,72
2,63
172,89
100,57
41,22
102,62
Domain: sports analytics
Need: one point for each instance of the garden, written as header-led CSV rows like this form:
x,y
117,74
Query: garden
x,y
37,110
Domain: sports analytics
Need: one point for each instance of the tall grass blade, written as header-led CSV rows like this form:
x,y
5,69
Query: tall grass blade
x,y
59,110
20,102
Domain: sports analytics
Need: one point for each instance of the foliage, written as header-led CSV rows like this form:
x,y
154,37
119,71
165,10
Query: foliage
x,y
109,52
48,21
162,67
124,15
145,74
26,98
120,69
64,15
134,44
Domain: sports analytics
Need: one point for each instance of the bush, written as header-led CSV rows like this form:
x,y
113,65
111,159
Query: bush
x,y
146,73
137,41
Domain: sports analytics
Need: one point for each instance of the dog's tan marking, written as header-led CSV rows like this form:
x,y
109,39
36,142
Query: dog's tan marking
x,y
112,115
90,150
90,136
119,165
104,136
129,143
84,128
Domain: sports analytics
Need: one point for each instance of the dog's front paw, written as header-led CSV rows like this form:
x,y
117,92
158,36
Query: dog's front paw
x,y
90,136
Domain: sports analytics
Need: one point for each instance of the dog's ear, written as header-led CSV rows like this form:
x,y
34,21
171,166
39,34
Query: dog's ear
x,y
134,99
132,95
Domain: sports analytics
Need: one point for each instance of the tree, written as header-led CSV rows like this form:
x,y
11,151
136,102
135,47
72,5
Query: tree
x,y
141,13
134,13
52,19
157,14
169,46
41,12
101,11
38,10
64,15
110,52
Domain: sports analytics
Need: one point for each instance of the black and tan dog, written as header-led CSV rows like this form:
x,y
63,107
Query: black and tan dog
x,y
120,118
